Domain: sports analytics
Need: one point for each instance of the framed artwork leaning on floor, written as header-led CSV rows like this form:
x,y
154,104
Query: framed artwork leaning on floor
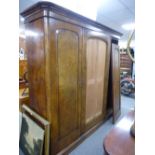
x,y
31,137
34,135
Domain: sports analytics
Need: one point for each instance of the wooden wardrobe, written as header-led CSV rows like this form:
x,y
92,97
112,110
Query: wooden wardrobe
x,y
68,65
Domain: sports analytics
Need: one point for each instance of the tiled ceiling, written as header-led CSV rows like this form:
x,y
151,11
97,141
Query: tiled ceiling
x,y
112,13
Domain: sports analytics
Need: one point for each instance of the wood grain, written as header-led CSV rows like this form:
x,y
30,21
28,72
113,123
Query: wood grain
x,y
116,101
68,65
97,62
100,75
91,90
36,67
96,54
68,81
65,45
119,140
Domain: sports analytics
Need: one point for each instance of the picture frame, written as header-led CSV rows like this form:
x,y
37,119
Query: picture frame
x,y
35,133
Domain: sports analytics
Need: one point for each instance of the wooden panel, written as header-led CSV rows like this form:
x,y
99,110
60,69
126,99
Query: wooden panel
x,y
68,81
65,45
91,93
100,75
96,58
96,71
36,67
116,82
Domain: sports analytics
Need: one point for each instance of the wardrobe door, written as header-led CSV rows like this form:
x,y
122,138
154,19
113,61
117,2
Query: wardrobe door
x,y
65,58
116,82
96,64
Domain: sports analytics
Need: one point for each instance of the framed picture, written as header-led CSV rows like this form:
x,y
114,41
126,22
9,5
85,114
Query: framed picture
x,y
31,137
34,134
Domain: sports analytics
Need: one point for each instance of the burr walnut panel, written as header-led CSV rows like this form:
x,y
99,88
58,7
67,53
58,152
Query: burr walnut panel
x,y
68,81
65,66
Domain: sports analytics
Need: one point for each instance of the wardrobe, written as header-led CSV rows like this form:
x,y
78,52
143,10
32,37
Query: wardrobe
x,y
68,65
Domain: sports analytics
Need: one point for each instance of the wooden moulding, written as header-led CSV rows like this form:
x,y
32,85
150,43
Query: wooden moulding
x,y
48,9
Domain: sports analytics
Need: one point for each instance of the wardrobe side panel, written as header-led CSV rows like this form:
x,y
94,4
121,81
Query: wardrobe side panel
x,y
36,66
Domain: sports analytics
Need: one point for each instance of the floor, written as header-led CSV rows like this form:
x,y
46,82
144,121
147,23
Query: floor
x,y
93,145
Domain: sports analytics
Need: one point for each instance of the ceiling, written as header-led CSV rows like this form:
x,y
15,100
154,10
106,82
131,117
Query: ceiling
x,y
112,13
